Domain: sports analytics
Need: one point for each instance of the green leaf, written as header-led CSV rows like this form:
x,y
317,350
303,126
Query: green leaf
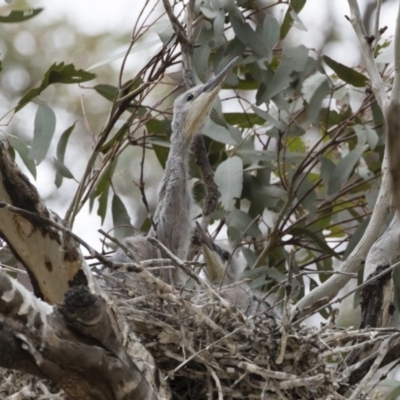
x,y
57,73
62,169
45,124
158,127
121,219
20,15
229,178
243,120
242,221
293,59
107,91
365,134
393,394
270,34
315,89
343,171
356,237
103,202
59,163
161,154
102,189
23,151
347,74
62,143
218,133
268,117
247,35
316,239
327,170
268,155
295,6
201,54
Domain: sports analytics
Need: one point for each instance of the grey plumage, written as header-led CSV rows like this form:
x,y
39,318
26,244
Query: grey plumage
x,y
172,216
223,269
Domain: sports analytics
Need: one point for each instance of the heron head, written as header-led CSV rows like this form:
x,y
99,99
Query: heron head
x,y
192,108
217,259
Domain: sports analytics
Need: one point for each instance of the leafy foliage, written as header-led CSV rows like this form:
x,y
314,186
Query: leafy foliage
x,y
295,166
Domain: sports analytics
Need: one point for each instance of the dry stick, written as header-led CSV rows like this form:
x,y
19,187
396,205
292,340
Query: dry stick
x,y
286,310
340,299
384,348
203,284
142,184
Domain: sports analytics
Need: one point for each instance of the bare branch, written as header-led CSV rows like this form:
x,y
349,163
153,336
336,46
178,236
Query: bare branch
x,y
354,261
41,337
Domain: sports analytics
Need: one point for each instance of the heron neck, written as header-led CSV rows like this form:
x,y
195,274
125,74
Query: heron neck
x,y
173,208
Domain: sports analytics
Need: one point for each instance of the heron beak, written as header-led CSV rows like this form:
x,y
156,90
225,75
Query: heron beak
x,y
203,102
217,81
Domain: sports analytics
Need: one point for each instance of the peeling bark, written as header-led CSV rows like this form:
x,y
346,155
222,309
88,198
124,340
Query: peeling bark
x,y
74,344
52,258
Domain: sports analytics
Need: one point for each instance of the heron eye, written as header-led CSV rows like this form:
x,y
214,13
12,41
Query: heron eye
x,y
190,97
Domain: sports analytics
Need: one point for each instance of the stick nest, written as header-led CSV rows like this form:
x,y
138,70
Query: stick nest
x,y
207,349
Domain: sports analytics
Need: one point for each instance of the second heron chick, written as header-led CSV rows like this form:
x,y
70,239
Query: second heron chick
x,y
223,269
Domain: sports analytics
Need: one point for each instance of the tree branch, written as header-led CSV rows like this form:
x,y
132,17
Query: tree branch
x,y
355,260
73,344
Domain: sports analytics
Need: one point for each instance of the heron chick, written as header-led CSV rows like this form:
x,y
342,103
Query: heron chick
x,y
172,222
223,269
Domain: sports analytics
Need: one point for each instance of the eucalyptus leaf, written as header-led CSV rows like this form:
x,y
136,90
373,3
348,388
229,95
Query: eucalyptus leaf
x,y
57,73
121,219
22,149
268,155
270,34
45,124
202,52
394,393
102,189
343,170
327,170
295,7
229,178
347,74
293,59
268,117
109,92
20,15
61,148
365,134
247,35
242,221
317,239
356,237
218,133
62,169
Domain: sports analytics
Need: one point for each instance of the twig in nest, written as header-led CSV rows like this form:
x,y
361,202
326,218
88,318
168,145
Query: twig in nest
x,y
203,284
384,348
286,310
142,183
